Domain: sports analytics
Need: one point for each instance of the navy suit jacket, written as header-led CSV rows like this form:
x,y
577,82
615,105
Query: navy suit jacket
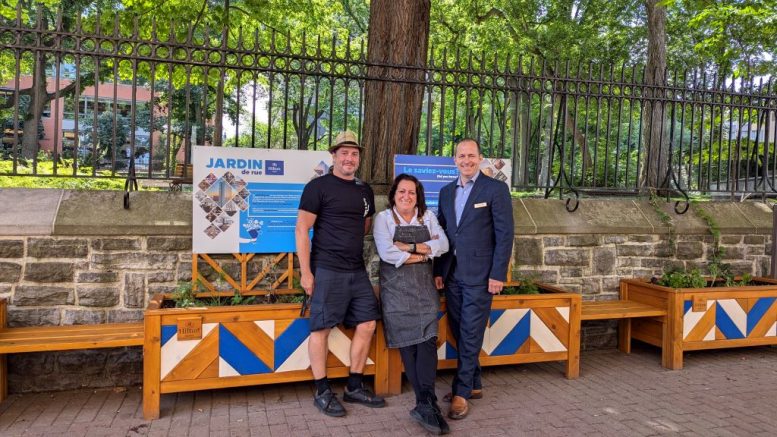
x,y
483,240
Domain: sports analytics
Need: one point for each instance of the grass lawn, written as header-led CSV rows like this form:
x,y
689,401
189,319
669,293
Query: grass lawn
x,y
83,181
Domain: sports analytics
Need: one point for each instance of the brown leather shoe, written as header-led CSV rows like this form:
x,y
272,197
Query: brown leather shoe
x,y
459,408
474,394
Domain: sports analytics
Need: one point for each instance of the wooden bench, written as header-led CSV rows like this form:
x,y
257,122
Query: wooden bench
x,y
179,179
61,338
624,310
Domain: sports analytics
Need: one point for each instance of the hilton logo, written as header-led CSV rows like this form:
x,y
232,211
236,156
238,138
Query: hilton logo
x,y
190,328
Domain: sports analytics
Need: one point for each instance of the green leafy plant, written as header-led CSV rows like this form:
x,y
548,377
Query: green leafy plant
x,y
184,295
527,285
664,217
683,279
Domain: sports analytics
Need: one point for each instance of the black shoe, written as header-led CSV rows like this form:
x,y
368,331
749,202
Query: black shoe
x,y
328,404
428,415
364,396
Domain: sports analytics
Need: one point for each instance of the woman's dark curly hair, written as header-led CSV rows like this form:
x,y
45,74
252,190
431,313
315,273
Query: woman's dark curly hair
x,y
419,192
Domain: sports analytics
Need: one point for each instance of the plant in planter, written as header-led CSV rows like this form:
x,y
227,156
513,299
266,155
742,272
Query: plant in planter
x,y
704,312
196,340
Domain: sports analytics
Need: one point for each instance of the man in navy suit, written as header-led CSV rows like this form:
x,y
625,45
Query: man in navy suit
x,y
477,214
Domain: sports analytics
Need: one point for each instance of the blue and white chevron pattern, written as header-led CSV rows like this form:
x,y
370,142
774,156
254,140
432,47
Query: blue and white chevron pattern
x,y
515,331
728,319
245,348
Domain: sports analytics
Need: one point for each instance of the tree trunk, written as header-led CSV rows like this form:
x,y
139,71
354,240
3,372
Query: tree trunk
x,y
39,98
398,35
655,159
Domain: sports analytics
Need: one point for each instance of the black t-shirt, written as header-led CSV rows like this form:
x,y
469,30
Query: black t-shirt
x,y
341,209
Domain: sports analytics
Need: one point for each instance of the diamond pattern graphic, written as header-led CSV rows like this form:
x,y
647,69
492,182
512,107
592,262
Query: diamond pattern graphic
x,y
220,199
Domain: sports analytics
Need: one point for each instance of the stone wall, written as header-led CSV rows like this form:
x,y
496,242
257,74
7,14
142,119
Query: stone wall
x,y
79,258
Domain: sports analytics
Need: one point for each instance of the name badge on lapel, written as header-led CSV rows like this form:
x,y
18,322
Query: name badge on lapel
x,y
481,205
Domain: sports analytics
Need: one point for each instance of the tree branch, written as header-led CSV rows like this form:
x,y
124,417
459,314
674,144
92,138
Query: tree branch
x,y
10,102
354,17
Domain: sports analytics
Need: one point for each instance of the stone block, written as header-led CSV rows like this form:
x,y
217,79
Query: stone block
x,y
635,250
84,361
629,262
643,238
690,250
553,241
733,252
570,287
664,249
169,243
133,260
164,276
613,239
97,296
582,240
57,248
730,239
571,272
168,289
591,286
755,239
134,290
97,277
547,276
755,250
82,317
568,257
742,267
10,272
603,261
33,317
49,272
116,244
184,272
11,248
611,285
528,252
42,295
123,316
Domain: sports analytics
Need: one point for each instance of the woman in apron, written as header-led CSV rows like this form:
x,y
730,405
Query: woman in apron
x,y
407,237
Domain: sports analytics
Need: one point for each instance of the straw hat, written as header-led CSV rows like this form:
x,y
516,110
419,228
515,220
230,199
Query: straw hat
x,y
345,139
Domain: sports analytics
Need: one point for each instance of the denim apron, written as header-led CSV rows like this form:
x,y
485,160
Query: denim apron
x,y
407,294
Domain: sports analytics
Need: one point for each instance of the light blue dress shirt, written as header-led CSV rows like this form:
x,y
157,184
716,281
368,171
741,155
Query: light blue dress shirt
x,y
462,194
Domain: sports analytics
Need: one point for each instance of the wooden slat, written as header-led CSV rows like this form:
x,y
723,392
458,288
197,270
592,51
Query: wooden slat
x,y
618,309
58,338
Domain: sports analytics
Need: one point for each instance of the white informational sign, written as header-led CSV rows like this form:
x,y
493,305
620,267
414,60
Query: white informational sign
x,y
246,200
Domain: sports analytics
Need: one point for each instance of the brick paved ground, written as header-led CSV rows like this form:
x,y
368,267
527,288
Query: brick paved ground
x,y
718,393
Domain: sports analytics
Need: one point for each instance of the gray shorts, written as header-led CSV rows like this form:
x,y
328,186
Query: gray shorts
x,y
342,297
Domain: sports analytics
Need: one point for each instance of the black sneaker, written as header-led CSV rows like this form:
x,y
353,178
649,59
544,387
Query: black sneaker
x,y
364,396
429,416
328,404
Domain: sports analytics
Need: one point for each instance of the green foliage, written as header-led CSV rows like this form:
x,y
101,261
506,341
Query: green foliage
x,y
682,279
666,220
45,166
184,295
528,285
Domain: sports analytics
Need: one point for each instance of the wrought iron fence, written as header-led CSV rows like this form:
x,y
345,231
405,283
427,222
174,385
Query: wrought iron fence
x,y
85,97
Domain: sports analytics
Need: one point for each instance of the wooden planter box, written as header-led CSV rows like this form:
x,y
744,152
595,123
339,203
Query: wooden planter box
x,y
528,328
704,318
188,349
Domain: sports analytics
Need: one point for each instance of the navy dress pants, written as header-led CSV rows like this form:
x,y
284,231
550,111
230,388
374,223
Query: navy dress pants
x,y
468,310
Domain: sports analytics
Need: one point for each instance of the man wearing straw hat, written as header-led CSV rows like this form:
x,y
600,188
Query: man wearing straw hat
x,y
338,207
